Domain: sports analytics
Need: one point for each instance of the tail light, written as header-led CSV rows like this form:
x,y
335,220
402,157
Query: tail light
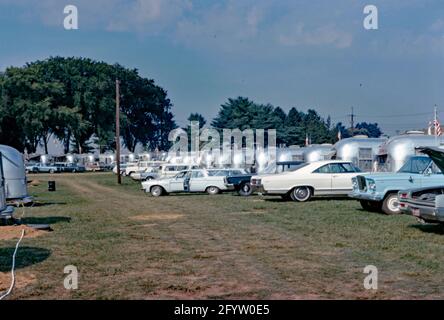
x,y
403,195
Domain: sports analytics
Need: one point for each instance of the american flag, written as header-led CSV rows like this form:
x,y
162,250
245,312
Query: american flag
x,y
437,125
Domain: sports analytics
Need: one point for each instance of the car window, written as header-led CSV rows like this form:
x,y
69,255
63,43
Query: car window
x,y
337,168
181,174
415,165
179,168
323,169
197,174
348,167
435,169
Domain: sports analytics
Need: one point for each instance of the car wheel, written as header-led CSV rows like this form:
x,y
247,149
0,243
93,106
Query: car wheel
x,y
213,190
301,194
156,191
390,204
74,171
245,190
148,178
51,171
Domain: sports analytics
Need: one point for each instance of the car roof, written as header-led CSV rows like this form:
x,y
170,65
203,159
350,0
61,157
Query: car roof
x,y
323,162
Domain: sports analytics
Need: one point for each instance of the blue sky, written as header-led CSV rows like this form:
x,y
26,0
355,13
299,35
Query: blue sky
x,y
303,54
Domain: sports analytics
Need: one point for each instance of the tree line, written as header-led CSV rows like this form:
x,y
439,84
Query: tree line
x,y
73,100
292,128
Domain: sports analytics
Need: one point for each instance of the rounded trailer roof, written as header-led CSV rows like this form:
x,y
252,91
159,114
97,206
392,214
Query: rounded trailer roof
x,y
407,143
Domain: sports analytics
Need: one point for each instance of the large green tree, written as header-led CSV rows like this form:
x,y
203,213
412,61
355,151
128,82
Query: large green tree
x,y
74,99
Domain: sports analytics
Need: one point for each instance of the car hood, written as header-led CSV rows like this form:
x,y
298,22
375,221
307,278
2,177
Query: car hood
x,y
436,154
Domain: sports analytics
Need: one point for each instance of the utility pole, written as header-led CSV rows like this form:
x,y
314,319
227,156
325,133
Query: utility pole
x,y
352,122
119,178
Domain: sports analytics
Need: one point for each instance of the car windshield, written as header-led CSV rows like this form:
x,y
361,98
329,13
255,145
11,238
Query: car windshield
x,y
418,165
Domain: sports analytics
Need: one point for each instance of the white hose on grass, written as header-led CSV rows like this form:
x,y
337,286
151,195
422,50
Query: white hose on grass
x,y
13,267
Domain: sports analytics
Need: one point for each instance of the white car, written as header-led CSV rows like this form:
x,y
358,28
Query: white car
x,y
196,180
320,178
142,166
123,167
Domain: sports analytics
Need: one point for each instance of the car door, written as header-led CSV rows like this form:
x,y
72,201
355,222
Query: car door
x,y
320,179
198,181
342,174
177,182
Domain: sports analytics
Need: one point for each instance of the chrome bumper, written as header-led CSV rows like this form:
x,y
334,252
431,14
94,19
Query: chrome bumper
x,y
364,196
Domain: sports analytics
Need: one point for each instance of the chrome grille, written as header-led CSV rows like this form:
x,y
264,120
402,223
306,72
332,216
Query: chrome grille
x,y
361,183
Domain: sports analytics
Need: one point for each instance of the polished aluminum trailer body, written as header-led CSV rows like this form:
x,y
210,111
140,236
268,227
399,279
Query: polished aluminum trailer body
x,y
360,150
398,149
14,173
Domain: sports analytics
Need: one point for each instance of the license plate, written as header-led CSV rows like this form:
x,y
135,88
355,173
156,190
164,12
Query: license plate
x,y
415,212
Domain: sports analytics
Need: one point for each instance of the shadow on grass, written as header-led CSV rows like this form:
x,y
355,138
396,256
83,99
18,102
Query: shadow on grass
x,y
44,220
46,203
320,199
429,228
26,256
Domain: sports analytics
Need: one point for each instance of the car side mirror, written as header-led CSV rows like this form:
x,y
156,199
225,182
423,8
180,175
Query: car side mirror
x,y
427,171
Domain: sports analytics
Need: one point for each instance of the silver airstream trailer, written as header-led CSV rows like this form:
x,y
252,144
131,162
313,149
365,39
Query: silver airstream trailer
x,y
13,173
362,151
318,152
396,150
5,211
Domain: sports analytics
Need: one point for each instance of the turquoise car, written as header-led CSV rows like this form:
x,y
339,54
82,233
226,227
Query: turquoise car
x,y
379,191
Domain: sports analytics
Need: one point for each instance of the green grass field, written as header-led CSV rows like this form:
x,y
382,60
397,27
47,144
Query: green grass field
x,y
129,245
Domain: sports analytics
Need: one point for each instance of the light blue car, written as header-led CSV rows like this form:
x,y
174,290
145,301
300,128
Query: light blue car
x,y
379,191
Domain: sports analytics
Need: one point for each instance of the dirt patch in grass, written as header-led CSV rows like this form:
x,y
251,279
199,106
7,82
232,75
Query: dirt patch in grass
x,y
34,183
22,279
14,232
158,216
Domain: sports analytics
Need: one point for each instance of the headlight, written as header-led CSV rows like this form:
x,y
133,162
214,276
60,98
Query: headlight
x,y
355,183
371,184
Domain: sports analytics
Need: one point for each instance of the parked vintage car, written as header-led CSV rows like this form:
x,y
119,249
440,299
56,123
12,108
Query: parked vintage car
x,y
427,203
320,178
242,182
31,167
122,168
142,166
44,168
95,166
70,167
379,191
151,171
170,169
195,180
